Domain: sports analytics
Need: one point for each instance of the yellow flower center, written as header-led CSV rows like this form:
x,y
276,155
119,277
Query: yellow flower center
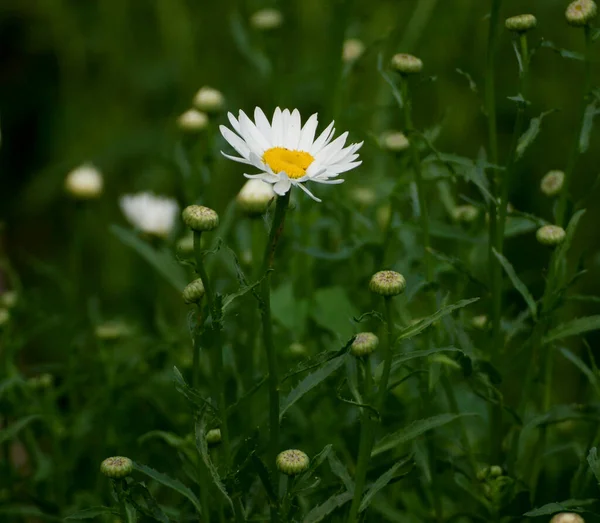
x,y
294,163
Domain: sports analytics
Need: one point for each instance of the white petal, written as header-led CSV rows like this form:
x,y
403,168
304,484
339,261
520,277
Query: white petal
x,y
254,138
235,141
323,138
282,186
265,177
236,159
335,181
257,162
301,185
342,168
294,129
332,149
276,128
234,123
307,135
285,124
262,123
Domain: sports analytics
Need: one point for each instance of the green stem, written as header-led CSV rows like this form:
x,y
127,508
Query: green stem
x,y
267,328
387,355
416,165
367,436
561,209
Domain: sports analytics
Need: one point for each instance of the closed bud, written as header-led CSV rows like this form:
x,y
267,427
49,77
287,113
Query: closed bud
x,y
465,213
480,322
266,19
521,23
254,197
581,12
200,218
495,471
552,183
112,330
117,467
394,141
297,350
209,100
213,437
550,235
364,196
192,120
84,183
387,283
292,462
567,517
193,292
364,344
406,63
352,50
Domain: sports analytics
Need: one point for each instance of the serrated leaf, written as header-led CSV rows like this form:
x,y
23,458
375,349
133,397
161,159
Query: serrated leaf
x,y
591,111
152,509
594,463
414,430
161,260
421,325
579,363
320,512
315,463
380,483
15,427
309,383
190,394
92,512
517,282
340,470
573,328
570,505
169,482
528,137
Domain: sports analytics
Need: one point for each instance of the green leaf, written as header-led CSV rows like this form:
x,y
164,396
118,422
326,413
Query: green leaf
x,y
333,311
528,137
570,505
458,265
564,53
320,512
594,463
92,512
557,271
388,79
591,111
400,359
190,394
380,483
152,509
169,482
309,383
414,430
162,260
579,363
315,463
288,310
573,328
15,427
340,470
420,326
517,283
168,437
263,474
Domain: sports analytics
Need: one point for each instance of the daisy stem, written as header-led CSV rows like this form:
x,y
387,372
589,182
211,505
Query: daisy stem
x,y
267,327
561,208
416,165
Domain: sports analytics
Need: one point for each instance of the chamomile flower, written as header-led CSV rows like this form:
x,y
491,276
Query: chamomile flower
x,y
154,215
287,153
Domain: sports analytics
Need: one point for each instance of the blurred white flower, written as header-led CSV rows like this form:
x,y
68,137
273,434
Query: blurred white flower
x,y
286,153
192,120
149,213
85,182
266,19
209,99
352,50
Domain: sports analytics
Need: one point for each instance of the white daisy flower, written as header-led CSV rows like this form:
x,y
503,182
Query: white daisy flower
x,y
286,153
151,214
85,182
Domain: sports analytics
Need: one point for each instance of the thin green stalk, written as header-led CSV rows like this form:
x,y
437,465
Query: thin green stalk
x,y
561,208
267,328
387,353
416,165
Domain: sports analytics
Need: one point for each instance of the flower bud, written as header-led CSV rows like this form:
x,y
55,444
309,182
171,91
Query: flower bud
x,y
297,350
112,330
552,183
84,182
465,213
550,235
581,12
479,322
193,292
394,141
567,517
364,344
254,197
213,437
192,121
209,100
8,299
521,23
4,317
495,471
352,50
200,218
387,283
292,462
116,467
266,19
406,63
364,196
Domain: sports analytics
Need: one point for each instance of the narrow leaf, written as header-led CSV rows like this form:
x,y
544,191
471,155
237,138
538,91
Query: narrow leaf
x,y
15,427
573,328
528,137
92,512
389,81
169,482
579,363
414,430
340,470
315,463
591,111
594,463
320,512
380,483
570,505
517,282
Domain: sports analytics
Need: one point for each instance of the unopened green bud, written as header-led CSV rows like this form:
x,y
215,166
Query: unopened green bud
x,y
387,283
479,322
112,330
521,23
465,213
213,437
292,462
254,197
495,471
567,517
581,12
394,141
550,235
209,100
352,50
406,63
266,19
8,299
552,183
116,467
193,292
192,120
364,344
200,218
4,317
297,350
